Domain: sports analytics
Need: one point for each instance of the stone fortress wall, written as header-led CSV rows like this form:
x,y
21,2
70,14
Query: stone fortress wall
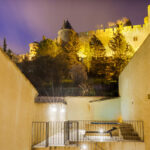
x,y
134,35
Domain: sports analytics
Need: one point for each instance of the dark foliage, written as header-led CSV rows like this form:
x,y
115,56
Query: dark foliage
x,y
45,70
4,45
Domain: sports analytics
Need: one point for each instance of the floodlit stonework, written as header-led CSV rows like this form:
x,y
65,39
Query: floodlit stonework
x,y
134,35
33,48
20,106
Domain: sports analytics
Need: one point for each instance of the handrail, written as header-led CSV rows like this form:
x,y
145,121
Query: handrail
x,y
72,132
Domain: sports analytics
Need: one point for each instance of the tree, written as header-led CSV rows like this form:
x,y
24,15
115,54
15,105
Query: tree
x,y
10,53
122,52
97,48
119,46
93,50
4,45
88,56
45,70
47,47
120,23
71,48
98,68
78,74
124,22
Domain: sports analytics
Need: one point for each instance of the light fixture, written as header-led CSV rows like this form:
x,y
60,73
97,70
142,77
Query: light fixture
x,y
84,147
63,110
101,130
54,109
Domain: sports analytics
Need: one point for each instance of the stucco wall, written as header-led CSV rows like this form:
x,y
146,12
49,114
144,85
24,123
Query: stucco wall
x,y
49,112
134,87
16,105
106,110
80,108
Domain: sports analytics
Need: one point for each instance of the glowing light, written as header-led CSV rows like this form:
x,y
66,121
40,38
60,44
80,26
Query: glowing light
x,y
63,110
82,132
54,109
84,147
81,54
101,130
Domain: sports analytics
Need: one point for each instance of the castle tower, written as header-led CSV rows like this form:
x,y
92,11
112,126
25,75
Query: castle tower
x,y
65,32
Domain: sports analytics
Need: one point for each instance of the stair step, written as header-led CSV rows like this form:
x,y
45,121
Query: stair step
x,y
129,133
131,138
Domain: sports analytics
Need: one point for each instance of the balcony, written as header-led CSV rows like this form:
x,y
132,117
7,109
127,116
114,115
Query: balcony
x,y
73,133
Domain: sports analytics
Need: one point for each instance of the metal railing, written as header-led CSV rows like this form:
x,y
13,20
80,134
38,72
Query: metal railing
x,y
63,133
48,133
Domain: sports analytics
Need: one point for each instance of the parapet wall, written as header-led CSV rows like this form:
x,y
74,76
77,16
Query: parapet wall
x,y
45,112
134,89
134,35
16,107
112,30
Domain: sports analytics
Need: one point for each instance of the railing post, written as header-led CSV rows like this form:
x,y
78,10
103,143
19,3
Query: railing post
x,y
47,134
32,134
68,129
143,130
77,133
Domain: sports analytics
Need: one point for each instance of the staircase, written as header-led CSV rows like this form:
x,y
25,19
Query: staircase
x,y
71,135
128,132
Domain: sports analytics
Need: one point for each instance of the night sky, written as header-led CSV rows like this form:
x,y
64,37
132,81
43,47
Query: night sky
x,y
24,21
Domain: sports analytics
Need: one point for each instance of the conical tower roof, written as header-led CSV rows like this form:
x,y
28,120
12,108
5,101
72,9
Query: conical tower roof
x,y
66,25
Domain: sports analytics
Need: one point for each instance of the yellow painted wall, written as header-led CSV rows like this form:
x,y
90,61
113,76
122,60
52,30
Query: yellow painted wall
x,y
49,112
16,107
106,110
134,87
79,108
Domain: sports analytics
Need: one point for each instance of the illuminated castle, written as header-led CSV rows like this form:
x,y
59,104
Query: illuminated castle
x,y
65,32
134,35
